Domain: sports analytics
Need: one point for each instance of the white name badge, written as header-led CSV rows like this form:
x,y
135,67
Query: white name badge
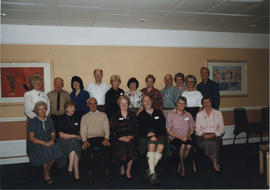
x,y
121,118
156,117
186,119
121,93
76,124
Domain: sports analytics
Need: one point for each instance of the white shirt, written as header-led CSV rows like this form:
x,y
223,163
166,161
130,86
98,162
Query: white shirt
x,y
194,98
31,98
135,100
98,91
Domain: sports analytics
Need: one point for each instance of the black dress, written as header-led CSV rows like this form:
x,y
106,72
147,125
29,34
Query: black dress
x,y
120,127
111,98
69,125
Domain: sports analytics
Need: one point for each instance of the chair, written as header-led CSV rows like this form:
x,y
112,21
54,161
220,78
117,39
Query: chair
x,y
242,124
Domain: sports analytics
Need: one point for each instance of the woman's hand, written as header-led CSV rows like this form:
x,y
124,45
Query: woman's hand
x,y
151,134
49,143
153,138
124,139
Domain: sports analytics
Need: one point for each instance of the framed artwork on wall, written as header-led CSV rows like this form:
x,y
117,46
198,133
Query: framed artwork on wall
x,y
15,79
231,76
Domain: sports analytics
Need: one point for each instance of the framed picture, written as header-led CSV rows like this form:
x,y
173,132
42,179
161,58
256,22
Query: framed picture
x,y
231,77
15,79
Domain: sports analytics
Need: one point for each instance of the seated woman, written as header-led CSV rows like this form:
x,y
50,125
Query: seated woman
x,y
152,134
79,96
193,96
134,95
41,133
123,136
70,140
112,96
180,126
209,128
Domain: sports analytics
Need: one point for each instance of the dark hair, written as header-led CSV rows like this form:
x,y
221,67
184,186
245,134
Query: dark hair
x,y
206,98
206,69
133,80
193,78
69,103
184,99
77,79
179,75
150,76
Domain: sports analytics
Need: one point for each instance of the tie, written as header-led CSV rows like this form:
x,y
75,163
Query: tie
x,y
58,101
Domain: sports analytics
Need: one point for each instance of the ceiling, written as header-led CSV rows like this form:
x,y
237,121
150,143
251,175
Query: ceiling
x,y
245,16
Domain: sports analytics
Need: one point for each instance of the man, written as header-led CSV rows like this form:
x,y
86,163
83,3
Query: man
x,y
98,89
58,97
169,95
209,88
95,135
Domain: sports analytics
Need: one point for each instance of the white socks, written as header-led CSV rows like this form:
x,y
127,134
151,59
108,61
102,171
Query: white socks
x,y
153,158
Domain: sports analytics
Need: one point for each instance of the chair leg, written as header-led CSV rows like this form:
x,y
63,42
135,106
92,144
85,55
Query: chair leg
x,y
234,139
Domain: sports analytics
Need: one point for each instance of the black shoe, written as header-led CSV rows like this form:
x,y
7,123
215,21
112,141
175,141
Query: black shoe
x,y
146,174
129,178
69,173
77,180
153,179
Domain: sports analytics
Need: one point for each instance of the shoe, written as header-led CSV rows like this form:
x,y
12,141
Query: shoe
x,y
69,173
153,179
77,180
49,181
128,178
91,180
107,178
146,174
182,177
218,172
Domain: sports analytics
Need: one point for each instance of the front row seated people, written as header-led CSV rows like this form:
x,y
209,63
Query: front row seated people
x,y
180,126
42,150
209,128
95,135
152,136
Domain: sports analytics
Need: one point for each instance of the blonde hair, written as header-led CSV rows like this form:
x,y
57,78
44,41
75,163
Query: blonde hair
x,y
123,98
115,77
38,104
35,77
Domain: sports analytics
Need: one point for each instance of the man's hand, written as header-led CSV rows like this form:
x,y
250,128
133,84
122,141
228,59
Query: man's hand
x,y
106,142
85,145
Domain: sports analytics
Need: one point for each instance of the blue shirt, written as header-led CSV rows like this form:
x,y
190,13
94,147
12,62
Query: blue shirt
x,y
80,100
169,97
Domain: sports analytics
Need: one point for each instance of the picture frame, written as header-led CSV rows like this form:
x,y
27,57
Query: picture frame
x,y
15,79
231,76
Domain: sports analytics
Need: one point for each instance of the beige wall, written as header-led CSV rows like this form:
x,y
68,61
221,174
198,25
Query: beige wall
x,y
67,61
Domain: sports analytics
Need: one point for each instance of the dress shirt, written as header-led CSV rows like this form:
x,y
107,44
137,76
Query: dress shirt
x,y
169,97
210,89
111,98
209,124
31,98
64,97
94,124
194,98
155,95
136,99
80,100
179,124
98,91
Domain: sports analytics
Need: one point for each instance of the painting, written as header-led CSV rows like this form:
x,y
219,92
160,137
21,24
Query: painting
x,y
231,77
15,79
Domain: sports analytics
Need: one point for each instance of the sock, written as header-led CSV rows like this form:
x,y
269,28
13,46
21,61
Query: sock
x,y
151,161
158,156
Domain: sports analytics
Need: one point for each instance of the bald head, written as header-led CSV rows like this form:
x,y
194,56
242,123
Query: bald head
x,y
92,104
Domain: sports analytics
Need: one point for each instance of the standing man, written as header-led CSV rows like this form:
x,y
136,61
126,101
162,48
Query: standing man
x,y
95,135
169,95
98,89
209,88
58,97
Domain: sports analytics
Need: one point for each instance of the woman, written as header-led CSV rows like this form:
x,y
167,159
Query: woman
x,y
41,133
152,133
209,128
134,95
70,140
123,136
79,96
179,79
180,126
152,92
193,96
112,96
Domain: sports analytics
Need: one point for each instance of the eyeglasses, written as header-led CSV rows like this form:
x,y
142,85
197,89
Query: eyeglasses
x,y
190,81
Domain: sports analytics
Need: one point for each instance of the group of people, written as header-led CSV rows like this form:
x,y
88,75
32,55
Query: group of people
x,y
102,123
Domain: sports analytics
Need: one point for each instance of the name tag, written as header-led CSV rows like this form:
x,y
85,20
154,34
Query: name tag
x,y
186,119
121,94
156,117
76,124
121,118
